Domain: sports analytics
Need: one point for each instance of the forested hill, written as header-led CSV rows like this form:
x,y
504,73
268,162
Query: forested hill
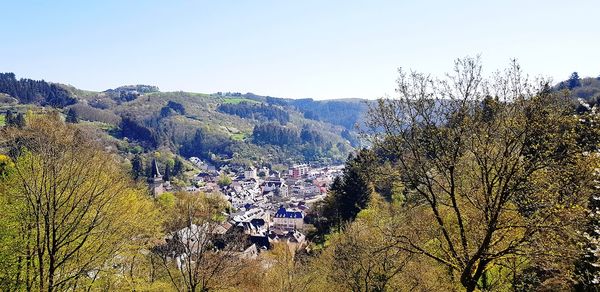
x,y
587,88
343,112
221,127
34,91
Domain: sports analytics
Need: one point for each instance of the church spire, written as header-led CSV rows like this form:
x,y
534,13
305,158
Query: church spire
x,y
155,172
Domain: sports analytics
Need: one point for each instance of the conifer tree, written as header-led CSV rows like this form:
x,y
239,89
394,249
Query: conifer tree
x,y
348,194
330,205
9,118
178,167
574,81
19,120
137,166
72,116
356,191
167,176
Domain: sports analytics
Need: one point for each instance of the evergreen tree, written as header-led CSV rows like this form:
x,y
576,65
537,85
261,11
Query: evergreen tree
x,y
137,166
195,146
19,120
9,118
35,91
177,107
72,116
574,81
331,206
254,111
136,131
165,112
177,167
348,194
167,176
356,191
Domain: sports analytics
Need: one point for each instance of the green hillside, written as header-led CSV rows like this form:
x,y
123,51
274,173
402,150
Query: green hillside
x,y
221,127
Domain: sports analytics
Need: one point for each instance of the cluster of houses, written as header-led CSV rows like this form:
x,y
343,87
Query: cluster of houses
x,y
269,205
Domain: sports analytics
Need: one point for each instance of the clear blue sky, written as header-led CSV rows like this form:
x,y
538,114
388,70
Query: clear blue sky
x,y
298,49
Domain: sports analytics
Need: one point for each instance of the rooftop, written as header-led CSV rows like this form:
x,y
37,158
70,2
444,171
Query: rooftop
x,y
283,213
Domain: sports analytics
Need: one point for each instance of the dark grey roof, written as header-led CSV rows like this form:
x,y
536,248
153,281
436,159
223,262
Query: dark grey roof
x,y
283,213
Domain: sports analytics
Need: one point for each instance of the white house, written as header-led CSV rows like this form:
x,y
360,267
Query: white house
x,y
250,173
288,219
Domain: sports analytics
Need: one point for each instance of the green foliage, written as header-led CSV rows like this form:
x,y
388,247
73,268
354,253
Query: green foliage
x,y
167,175
89,113
178,167
224,180
6,165
256,111
346,113
238,100
587,89
275,134
72,117
35,91
130,128
238,137
58,178
15,119
203,144
166,200
137,166
587,267
493,170
133,113
172,107
348,195
137,149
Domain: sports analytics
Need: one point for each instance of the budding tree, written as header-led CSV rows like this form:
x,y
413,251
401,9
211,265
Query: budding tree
x,y
491,167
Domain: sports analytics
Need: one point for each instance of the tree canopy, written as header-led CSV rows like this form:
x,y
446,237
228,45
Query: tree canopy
x,y
492,169
74,210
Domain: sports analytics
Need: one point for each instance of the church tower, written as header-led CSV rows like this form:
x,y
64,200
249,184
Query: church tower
x,y
156,181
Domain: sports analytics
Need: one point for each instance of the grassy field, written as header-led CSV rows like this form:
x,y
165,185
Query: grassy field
x,y
99,125
238,100
238,137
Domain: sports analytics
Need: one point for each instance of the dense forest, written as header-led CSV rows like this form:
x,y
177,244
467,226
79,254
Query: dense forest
x,y
256,111
133,130
35,91
203,145
275,134
346,113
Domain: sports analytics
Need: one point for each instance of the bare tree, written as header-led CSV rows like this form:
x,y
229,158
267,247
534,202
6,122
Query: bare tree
x,y
363,261
198,254
491,166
